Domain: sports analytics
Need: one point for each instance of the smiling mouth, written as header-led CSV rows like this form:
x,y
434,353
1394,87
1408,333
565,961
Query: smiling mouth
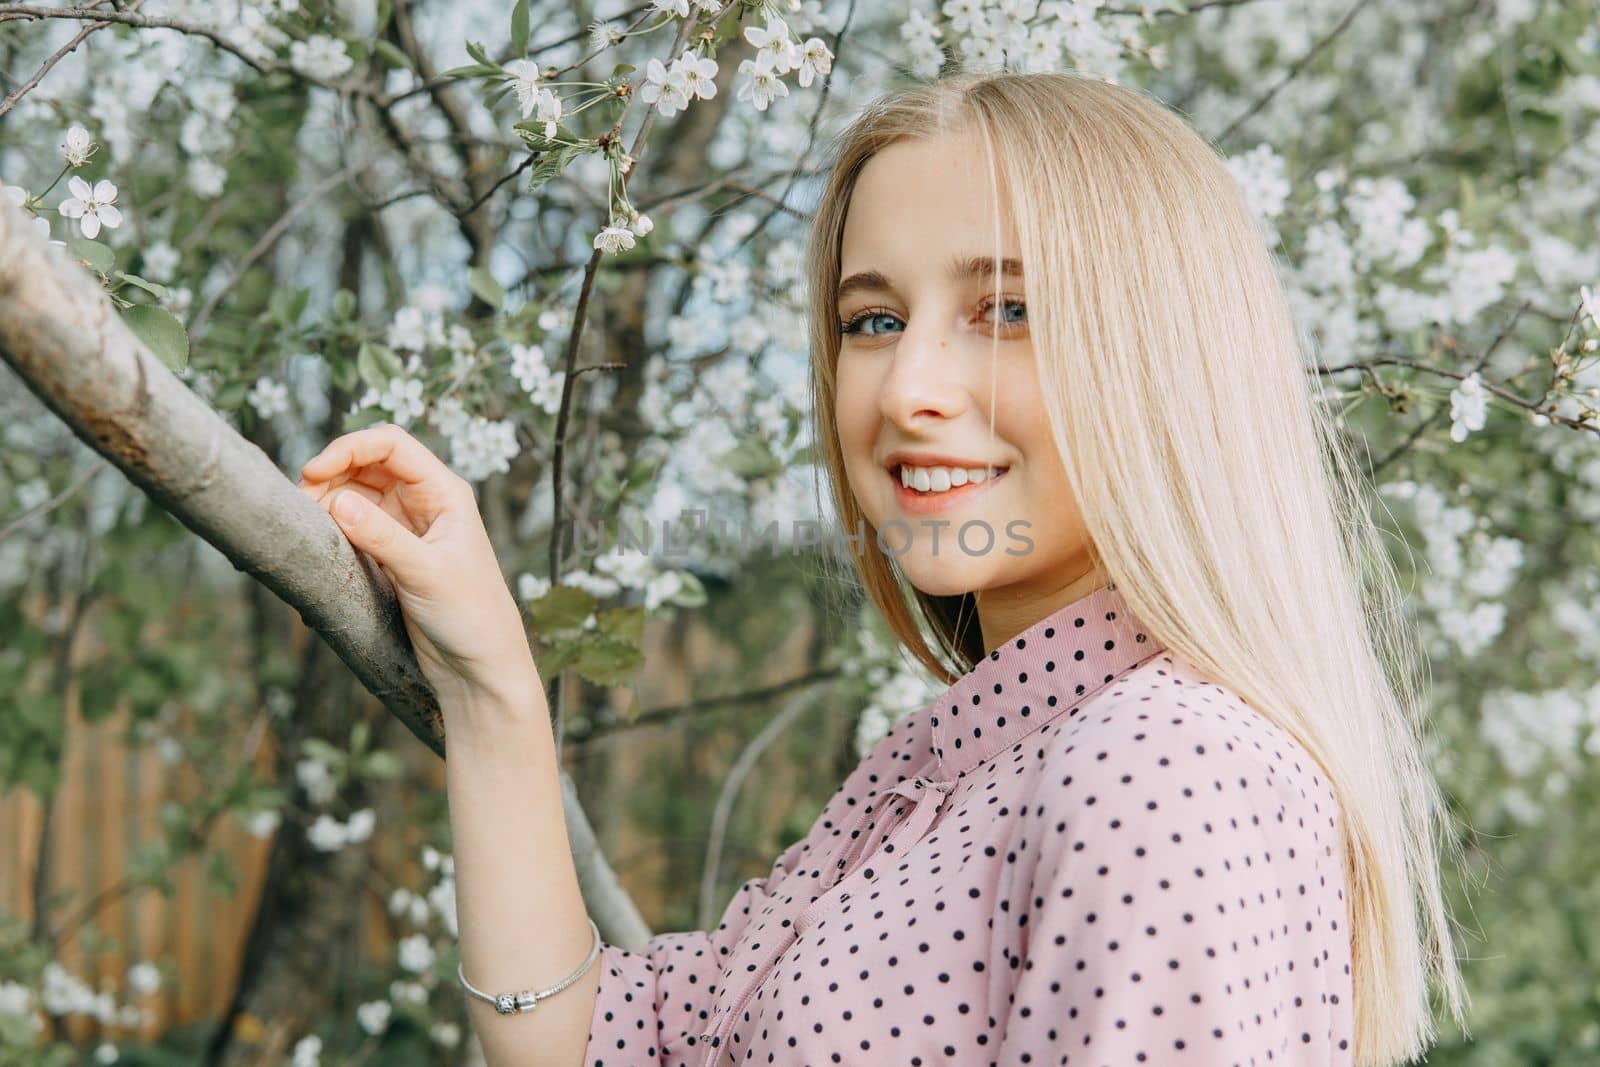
x,y
916,500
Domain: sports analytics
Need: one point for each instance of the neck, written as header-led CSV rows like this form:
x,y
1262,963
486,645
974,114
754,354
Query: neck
x,y
1004,613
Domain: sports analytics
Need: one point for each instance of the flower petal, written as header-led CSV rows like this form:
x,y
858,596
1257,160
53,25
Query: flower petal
x,y
110,216
91,226
72,209
79,188
104,192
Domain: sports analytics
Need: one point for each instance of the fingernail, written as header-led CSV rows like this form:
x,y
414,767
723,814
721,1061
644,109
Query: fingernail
x,y
349,507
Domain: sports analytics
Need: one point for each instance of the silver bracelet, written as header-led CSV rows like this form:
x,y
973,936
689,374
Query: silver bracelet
x,y
527,1000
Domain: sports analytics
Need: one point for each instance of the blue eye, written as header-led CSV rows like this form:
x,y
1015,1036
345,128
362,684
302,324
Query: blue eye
x,y
854,325
1008,304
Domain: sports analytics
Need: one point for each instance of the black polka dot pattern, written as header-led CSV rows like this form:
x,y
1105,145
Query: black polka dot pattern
x,y
1084,852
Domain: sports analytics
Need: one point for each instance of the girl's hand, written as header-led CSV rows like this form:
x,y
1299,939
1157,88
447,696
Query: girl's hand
x,y
419,521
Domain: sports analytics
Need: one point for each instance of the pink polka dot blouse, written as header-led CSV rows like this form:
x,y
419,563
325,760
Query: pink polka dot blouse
x,y
1083,852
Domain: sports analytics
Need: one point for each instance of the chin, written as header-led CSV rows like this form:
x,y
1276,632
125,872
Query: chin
x,y
944,575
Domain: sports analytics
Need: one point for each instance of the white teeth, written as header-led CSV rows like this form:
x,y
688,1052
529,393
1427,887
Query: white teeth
x,y
940,479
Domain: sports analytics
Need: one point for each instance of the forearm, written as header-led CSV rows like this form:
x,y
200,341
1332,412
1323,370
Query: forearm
x,y
520,913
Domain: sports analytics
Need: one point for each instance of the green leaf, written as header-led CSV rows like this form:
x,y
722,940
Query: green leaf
x,y
362,419
487,289
391,55
385,11
344,304
750,458
471,70
155,290
693,593
551,658
222,874
370,367
476,51
96,255
519,29
360,734
383,765
321,751
230,397
562,607
624,624
161,333
609,662
606,487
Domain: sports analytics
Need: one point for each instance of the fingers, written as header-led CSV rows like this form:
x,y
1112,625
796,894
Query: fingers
x,y
401,455
374,531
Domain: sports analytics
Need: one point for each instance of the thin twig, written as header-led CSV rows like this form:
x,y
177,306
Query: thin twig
x,y
38,75
50,505
1295,69
268,239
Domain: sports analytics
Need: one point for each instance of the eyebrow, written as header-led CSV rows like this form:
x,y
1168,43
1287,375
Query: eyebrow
x,y
959,269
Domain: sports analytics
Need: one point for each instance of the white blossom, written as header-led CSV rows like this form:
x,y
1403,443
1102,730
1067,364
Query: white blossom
x,y
533,97
402,397
662,588
261,824
315,779
815,58
416,954
667,89
144,978
359,828
532,586
374,1016
614,239
269,397
762,84
327,834
698,75
640,223
322,57
91,205
1468,407
160,262
79,146
308,1051
679,8
404,992
480,447
774,45
19,196
105,1052
206,178
15,998
445,1034
1591,306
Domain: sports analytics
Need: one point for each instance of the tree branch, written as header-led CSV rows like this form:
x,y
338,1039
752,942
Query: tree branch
x,y
61,334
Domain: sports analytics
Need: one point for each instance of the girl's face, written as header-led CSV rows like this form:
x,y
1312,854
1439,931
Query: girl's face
x,y
928,363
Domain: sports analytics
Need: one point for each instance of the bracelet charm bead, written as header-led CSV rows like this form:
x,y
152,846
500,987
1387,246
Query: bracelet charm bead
x,y
525,1001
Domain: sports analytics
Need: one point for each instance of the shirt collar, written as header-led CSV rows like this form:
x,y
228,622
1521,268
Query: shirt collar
x,y
1050,669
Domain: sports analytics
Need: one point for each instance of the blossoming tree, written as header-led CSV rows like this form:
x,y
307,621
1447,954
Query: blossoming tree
x,y
560,242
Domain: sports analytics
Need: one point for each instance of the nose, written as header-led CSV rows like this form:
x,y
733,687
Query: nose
x,y
922,384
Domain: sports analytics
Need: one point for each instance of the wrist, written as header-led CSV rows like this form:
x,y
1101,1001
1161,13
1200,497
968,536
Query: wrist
x,y
513,698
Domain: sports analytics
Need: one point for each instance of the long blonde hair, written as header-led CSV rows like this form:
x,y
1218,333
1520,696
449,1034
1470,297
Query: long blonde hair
x,y
1216,491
